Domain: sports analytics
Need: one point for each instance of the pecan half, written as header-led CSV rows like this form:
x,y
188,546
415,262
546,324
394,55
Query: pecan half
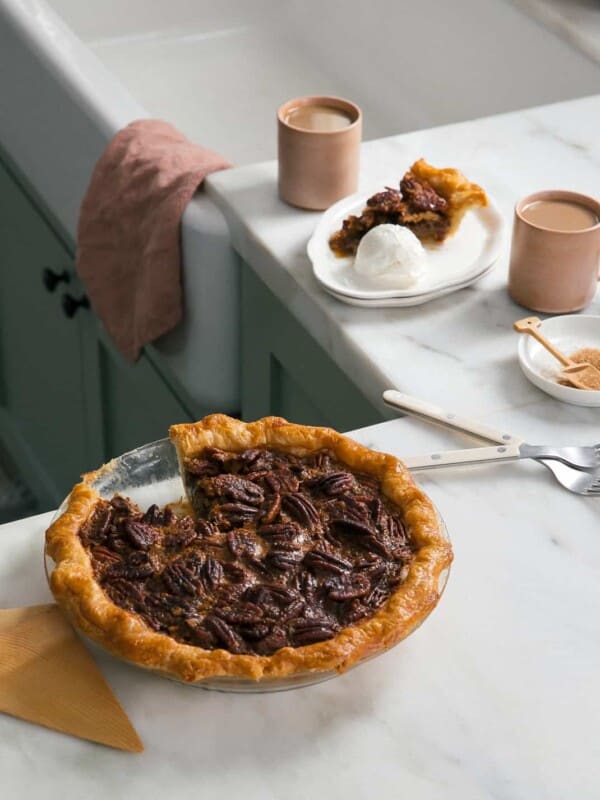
x,y
350,526
265,594
294,610
198,634
104,555
138,534
301,508
327,562
421,196
272,511
95,529
205,528
353,508
131,572
211,574
348,587
376,597
309,631
237,489
180,539
200,467
321,460
281,481
124,592
240,543
243,614
281,529
389,201
225,634
274,641
153,515
234,572
332,484
283,560
254,631
122,505
179,578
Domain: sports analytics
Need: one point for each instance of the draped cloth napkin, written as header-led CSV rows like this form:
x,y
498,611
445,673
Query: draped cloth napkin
x,y
129,252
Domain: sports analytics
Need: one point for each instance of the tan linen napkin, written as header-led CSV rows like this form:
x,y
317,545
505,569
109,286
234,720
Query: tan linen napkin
x,y
128,243
47,676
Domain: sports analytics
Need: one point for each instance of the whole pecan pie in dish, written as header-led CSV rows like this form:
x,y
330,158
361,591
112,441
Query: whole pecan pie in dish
x,y
296,550
430,202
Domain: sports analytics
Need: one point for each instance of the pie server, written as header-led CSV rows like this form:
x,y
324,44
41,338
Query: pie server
x,y
509,447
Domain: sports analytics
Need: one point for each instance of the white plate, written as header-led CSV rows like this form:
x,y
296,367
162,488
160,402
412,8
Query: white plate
x,y
569,333
461,259
403,302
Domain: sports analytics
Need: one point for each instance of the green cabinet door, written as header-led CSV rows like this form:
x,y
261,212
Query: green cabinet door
x,y
130,404
42,407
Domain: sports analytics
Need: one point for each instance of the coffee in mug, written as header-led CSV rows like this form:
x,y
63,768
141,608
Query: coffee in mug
x,y
560,215
319,150
317,118
555,252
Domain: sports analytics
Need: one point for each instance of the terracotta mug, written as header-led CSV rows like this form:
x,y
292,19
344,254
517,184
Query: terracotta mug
x,y
318,166
554,271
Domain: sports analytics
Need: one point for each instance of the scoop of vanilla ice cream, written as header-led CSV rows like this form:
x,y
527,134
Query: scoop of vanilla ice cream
x,y
391,256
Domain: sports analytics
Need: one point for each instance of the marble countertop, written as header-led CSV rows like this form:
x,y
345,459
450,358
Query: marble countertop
x,y
458,351
495,697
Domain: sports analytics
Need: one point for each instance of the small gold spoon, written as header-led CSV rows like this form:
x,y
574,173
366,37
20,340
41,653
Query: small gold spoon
x,y
581,376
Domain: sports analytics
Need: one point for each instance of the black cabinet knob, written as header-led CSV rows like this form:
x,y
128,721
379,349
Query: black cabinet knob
x,y
70,304
51,279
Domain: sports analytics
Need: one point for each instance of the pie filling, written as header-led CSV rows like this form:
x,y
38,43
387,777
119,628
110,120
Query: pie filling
x,y
416,205
280,550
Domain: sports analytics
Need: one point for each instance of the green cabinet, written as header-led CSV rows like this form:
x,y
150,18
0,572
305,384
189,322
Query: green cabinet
x,y
68,401
287,373
40,349
130,404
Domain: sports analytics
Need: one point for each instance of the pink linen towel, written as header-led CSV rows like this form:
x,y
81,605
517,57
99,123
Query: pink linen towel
x,y
128,248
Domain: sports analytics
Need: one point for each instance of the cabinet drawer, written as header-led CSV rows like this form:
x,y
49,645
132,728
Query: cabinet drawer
x,y
40,347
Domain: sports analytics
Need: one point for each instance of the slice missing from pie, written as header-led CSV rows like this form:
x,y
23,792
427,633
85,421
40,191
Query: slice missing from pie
x,y
431,202
300,551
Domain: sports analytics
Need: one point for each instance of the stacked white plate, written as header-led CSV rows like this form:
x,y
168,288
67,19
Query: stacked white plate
x,y
458,262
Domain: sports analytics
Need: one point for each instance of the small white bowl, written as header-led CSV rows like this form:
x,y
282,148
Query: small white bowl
x,y
569,333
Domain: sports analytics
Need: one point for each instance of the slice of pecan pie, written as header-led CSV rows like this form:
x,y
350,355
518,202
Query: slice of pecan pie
x,y
431,202
300,551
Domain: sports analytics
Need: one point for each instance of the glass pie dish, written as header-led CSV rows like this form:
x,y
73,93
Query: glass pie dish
x,y
151,475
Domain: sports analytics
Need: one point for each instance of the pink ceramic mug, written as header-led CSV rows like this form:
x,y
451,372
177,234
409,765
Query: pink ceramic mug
x,y
554,271
317,167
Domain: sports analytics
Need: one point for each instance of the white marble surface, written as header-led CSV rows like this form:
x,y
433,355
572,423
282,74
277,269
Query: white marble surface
x,y
458,351
495,697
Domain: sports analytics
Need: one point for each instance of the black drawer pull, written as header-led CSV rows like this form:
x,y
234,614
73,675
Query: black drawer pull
x,y
51,279
70,304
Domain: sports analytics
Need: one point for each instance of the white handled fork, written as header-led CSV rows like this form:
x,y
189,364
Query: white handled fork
x,y
576,468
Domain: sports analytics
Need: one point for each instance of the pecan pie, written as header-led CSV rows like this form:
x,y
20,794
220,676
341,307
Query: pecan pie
x,y
430,202
296,550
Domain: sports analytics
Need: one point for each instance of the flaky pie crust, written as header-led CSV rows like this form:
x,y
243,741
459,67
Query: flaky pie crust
x,y
451,184
125,635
